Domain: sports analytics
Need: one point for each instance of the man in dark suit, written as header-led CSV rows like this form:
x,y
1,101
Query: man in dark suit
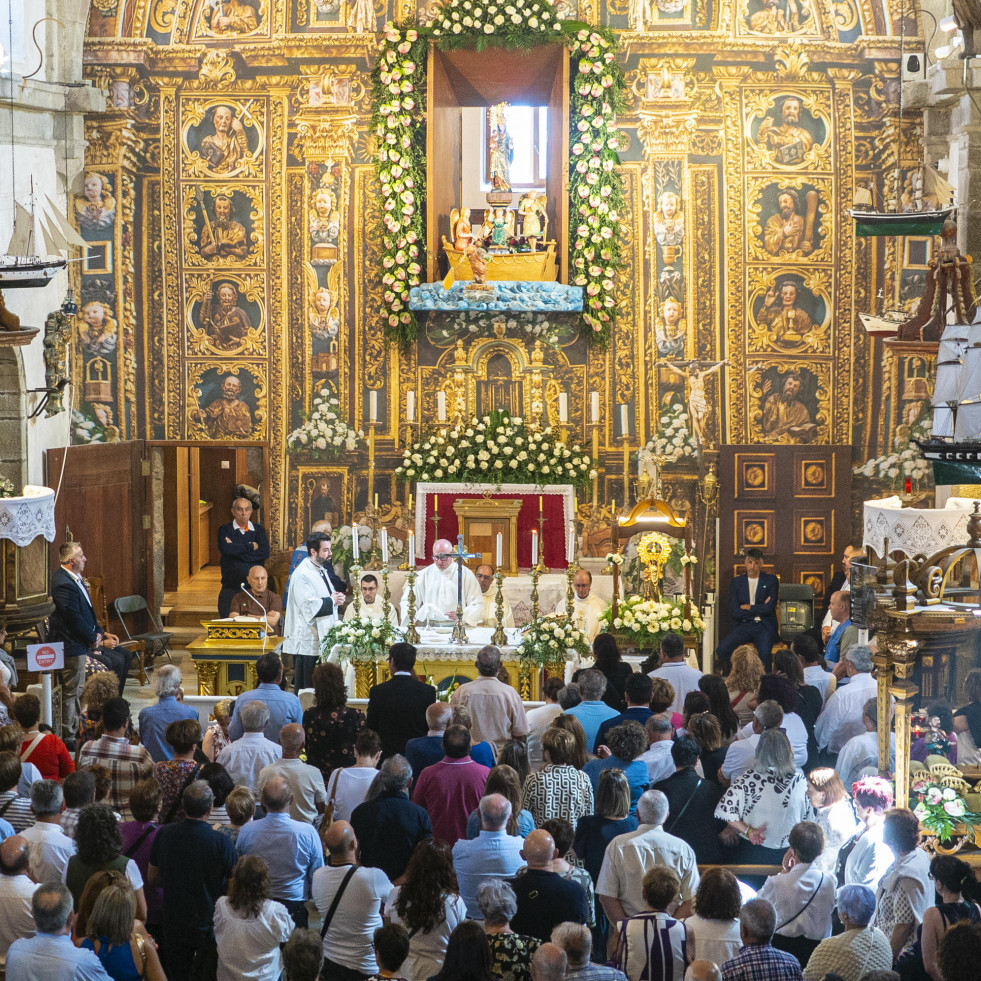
x,y
242,544
75,624
397,707
753,599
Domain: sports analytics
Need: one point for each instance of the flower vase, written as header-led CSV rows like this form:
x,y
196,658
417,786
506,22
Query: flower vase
x,y
365,675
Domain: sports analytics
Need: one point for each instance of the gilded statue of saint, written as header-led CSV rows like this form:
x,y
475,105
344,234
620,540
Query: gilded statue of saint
x,y
788,141
224,237
501,155
784,414
233,17
227,325
788,321
784,231
225,149
229,415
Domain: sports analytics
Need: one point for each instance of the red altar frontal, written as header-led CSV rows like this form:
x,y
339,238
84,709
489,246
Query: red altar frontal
x,y
481,510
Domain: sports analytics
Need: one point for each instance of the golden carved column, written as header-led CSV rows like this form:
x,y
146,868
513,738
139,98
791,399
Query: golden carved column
x,y
896,667
207,673
365,675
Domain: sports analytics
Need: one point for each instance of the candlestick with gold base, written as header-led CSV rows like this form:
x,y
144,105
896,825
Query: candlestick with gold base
x,y
386,594
536,571
570,574
411,634
499,637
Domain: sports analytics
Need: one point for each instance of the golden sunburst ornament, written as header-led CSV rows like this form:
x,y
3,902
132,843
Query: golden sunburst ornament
x,y
654,549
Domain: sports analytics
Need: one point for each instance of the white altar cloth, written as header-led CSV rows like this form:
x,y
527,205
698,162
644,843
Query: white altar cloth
x,y
25,517
915,530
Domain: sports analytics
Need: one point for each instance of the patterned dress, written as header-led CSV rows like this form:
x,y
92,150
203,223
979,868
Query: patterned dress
x,y
172,775
764,799
558,792
511,955
331,736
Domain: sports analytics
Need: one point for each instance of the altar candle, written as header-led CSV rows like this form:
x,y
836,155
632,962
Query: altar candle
x,y
539,504
534,547
624,420
412,548
410,406
435,503
384,544
908,486
373,406
355,547
594,406
500,545
376,502
571,547
563,407
441,406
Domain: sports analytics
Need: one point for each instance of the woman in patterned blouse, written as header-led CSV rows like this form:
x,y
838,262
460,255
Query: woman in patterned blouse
x,y
558,790
331,727
510,952
175,774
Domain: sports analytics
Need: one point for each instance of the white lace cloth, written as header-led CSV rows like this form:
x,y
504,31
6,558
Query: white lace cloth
x,y
912,530
23,518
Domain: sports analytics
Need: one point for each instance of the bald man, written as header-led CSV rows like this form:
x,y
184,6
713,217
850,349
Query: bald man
x,y
549,963
586,605
350,931
242,544
257,600
545,898
436,590
16,889
485,579
701,970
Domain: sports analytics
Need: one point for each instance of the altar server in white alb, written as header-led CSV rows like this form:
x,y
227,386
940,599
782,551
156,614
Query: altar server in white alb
x,y
436,588
372,606
586,605
315,595
485,579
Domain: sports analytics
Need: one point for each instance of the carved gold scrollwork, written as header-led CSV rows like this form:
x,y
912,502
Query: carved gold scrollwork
x,y
193,223
201,338
242,153
217,69
161,16
763,110
757,395
782,334
196,412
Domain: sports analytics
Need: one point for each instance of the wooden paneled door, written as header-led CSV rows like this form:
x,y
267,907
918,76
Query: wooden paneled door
x,y
791,502
103,501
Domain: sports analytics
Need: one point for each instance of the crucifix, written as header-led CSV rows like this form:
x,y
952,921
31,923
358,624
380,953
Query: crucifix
x,y
459,554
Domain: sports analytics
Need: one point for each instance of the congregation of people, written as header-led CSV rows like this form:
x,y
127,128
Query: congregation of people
x,y
638,825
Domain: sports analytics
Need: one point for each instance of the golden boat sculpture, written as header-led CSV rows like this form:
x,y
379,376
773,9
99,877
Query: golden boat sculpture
x,y
541,266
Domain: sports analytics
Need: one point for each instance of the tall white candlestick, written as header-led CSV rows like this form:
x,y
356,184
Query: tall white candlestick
x,y
410,406
441,406
563,407
355,546
624,420
594,406
412,548
373,406
534,547
571,547
384,546
500,545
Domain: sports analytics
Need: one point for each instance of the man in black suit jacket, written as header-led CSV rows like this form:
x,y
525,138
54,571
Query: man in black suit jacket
x,y
242,544
397,707
755,615
75,624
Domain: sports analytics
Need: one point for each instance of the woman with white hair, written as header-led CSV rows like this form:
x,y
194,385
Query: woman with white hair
x,y
765,803
510,952
860,949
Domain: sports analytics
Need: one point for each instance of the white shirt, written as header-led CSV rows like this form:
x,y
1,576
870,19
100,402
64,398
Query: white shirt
x,y
245,758
348,940
539,720
823,680
739,757
751,585
51,849
713,940
790,892
80,584
372,611
862,751
427,951
628,857
436,593
306,784
248,949
841,718
868,861
303,630
16,919
682,677
660,765
489,615
350,789
793,726
585,614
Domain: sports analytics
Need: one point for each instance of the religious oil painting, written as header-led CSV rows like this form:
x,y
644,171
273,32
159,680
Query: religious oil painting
x,y
789,220
790,314
223,138
227,402
223,225
787,131
225,314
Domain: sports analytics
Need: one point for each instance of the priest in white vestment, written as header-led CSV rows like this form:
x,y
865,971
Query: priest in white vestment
x,y
586,605
485,579
372,606
436,588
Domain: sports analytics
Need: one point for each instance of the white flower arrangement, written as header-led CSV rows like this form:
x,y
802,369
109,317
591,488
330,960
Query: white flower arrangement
x,y
325,435
905,461
7,488
463,20
688,560
359,641
614,558
673,441
497,449
645,622
551,639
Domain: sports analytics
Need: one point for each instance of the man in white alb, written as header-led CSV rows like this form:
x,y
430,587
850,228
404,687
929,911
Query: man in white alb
x,y
436,588
371,608
315,594
586,605
485,579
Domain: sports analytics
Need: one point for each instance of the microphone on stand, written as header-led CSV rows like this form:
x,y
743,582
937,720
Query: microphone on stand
x,y
255,599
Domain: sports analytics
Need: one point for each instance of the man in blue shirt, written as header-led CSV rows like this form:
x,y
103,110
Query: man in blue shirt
x,y
592,711
291,849
844,636
154,719
284,707
50,955
493,854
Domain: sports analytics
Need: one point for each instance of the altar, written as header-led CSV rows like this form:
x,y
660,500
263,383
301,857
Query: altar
x,y
225,656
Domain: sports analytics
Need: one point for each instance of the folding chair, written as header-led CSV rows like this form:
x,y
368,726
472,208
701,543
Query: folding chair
x,y
157,641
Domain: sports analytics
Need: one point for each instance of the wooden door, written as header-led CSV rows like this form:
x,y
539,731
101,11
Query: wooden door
x,y
791,502
103,501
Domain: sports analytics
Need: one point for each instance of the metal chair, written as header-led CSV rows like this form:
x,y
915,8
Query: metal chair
x,y
796,609
157,641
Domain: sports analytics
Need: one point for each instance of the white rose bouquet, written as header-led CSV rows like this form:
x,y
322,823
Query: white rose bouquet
x,y
643,623
325,435
359,641
551,639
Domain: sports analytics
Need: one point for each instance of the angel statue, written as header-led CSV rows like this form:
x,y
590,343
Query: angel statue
x,y
531,207
502,229
695,372
461,230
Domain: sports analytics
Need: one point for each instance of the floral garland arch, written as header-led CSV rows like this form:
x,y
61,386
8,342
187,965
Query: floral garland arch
x,y
595,189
